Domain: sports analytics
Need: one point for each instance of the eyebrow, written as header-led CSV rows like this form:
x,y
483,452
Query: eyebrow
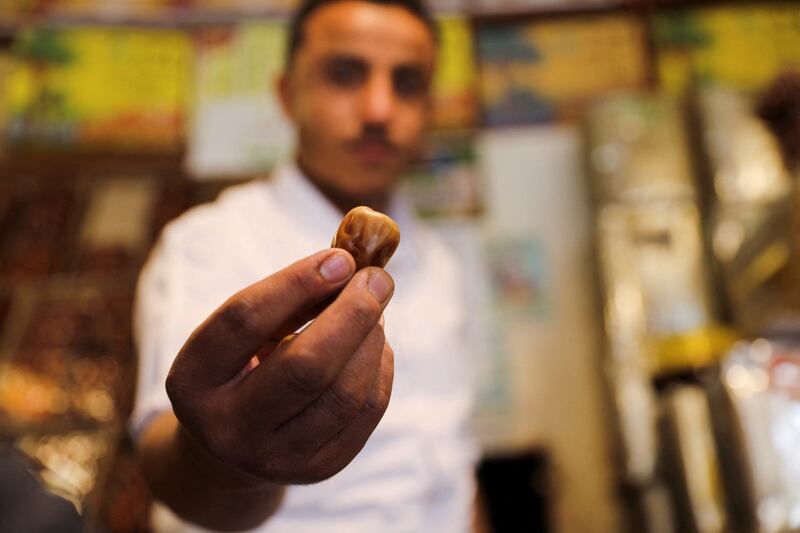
x,y
344,57
359,60
414,63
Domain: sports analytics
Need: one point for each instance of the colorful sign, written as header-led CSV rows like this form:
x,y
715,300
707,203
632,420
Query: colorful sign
x,y
744,47
238,127
446,182
548,70
124,88
455,94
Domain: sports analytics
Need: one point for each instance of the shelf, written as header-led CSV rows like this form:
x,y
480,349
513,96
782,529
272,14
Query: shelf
x,y
489,14
33,163
473,9
188,18
166,18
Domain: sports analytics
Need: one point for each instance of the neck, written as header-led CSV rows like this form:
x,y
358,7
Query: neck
x,y
341,200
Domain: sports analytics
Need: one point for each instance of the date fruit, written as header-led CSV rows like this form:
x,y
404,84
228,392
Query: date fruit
x,y
370,237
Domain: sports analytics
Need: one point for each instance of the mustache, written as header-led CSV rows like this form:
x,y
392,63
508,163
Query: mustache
x,y
373,135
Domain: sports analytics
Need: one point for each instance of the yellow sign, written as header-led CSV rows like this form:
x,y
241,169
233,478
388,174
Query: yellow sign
x,y
744,47
241,61
549,69
454,85
102,85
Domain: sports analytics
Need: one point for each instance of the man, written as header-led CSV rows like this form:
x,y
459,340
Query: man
x,y
290,440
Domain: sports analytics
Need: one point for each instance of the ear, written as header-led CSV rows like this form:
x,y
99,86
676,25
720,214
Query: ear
x,y
284,92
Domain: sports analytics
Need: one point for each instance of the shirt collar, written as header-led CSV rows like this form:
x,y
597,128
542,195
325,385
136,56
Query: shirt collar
x,y
320,217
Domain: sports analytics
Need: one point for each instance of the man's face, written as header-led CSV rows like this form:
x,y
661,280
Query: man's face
x,y
357,93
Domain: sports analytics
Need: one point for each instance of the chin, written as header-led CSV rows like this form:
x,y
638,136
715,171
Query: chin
x,y
367,194
373,180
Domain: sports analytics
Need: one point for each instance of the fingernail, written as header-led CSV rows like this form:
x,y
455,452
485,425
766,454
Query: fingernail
x,y
335,268
382,321
379,285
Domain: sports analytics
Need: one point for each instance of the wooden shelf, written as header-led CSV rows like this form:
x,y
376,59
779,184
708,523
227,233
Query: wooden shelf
x,y
491,15
166,18
189,18
73,163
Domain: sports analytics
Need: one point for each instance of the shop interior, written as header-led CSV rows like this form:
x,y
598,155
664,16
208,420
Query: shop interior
x,y
618,177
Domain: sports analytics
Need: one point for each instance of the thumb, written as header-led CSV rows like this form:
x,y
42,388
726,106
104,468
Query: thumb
x,y
224,343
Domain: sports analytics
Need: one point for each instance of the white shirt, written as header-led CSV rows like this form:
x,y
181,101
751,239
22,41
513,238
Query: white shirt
x,y
415,474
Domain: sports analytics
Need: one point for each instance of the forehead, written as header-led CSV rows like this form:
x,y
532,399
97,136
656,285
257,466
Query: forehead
x,y
368,30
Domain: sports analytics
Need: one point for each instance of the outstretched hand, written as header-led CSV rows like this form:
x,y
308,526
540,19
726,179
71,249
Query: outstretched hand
x,y
305,407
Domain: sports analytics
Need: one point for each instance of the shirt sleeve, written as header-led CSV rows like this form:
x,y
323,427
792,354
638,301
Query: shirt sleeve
x,y
176,291
195,266
153,309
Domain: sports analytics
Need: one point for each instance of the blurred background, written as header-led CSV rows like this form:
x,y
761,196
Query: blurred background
x,y
619,177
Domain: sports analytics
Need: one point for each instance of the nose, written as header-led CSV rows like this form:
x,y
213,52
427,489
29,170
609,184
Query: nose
x,y
378,99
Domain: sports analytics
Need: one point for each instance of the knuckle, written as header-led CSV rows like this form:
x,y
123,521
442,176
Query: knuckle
x,y
222,440
305,373
328,471
378,337
180,394
265,460
326,465
363,312
240,315
300,282
343,403
173,387
302,449
376,405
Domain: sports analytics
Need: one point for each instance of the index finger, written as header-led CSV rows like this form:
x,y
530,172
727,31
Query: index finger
x,y
223,344
294,376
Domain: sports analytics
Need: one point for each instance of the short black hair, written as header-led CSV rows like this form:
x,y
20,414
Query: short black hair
x,y
307,8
